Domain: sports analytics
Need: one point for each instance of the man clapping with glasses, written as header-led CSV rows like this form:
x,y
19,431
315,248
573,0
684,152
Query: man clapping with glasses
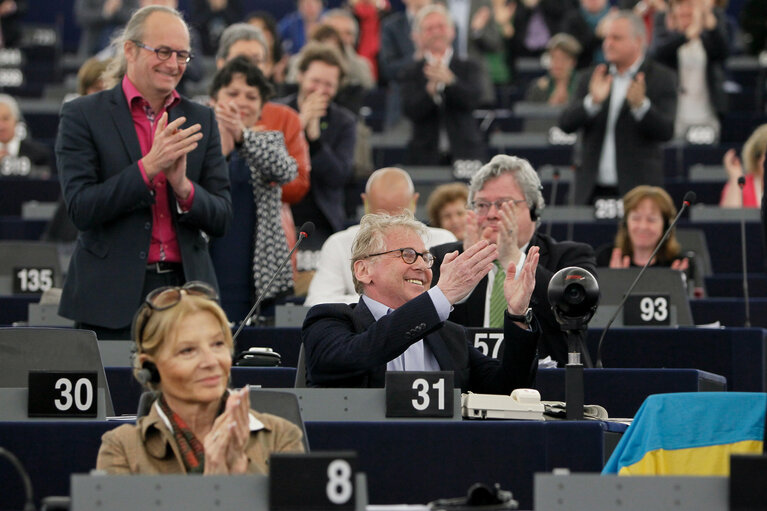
x,y
143,178
400,324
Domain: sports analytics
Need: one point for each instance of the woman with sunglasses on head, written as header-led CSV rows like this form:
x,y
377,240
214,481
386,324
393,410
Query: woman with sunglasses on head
x,y
196,425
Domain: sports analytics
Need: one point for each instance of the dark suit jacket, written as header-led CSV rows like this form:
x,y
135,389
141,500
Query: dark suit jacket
x,y
346,347
554,256
666,43
397,48
107,199
332,157
39,154
638,149
454,113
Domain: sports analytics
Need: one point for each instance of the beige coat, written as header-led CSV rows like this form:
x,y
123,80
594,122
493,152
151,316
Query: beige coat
x,y
148,447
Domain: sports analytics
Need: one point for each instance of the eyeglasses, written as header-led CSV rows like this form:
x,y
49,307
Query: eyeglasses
x,y
164,53
409,255
164,298
482,207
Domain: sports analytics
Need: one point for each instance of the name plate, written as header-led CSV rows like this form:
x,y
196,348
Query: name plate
x,y
647,310
488,340
419,394
30,280
315,481
608,208
62,394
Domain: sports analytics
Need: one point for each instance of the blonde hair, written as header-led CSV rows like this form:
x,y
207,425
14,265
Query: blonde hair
x,y
371,236
670,249
155,327
754,149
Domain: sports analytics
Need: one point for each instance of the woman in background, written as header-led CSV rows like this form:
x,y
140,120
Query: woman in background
x,y
447,208
647,213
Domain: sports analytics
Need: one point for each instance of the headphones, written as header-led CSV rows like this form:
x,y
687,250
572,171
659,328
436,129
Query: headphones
x,y
534,212
148,372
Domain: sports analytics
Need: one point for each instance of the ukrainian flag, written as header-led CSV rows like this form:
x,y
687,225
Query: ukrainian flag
x,y
690,433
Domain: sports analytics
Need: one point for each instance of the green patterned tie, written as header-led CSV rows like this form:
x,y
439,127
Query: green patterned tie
x,y
497,298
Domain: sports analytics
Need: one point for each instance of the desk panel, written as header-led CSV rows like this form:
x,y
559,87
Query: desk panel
x,y
729,311
404,462
738,354
622,391
15,308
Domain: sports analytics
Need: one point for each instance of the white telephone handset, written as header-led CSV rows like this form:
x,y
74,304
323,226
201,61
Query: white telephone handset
x,y
521,404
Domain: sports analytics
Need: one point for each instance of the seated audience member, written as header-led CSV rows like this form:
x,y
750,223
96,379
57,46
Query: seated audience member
x,y
440,91
754,159
389,190
691,38
647,213
506,203
276,60
331,132
15,144
196,425
211,17
400,324
447,208
250,252
296,26
89,76
559,83
587,25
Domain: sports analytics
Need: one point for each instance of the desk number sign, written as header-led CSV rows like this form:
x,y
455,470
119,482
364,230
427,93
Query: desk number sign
x,y
27,280
419,393
62,394
647,310
314,481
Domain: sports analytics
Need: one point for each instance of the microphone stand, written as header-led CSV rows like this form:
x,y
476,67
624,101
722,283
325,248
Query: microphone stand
x,y
302,236
553,200
688,198
747,322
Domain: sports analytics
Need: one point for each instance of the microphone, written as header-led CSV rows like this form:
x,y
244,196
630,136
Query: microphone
x,y
29,505
688,199
742,184
552,201
305,231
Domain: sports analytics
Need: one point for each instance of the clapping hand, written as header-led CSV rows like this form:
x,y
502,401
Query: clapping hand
x,y
519,290
459,273
226,442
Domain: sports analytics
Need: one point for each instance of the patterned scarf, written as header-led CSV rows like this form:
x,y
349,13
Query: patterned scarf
x,y
192,450
270,166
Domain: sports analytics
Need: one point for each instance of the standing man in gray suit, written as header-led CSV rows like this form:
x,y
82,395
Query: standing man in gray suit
x,y
624,111
143,178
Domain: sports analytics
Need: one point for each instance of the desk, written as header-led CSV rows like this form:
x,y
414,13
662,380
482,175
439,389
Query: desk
x,y
622,391
14,191
729,311
15,308
125,390
404,462
738,354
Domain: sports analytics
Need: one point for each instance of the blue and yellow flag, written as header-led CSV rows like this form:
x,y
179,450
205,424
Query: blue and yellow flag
x,y
690,433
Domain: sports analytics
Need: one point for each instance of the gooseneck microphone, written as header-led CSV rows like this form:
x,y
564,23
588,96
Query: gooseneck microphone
x,y
29,505
688,199
305,231
741,185
553,199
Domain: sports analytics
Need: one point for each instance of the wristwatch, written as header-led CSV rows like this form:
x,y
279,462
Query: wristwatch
x,y
526,318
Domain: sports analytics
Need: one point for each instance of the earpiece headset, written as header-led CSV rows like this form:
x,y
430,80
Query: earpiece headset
x,y
148,372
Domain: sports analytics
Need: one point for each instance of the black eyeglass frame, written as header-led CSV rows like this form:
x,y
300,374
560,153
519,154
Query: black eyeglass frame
x,y
182,56
427,256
